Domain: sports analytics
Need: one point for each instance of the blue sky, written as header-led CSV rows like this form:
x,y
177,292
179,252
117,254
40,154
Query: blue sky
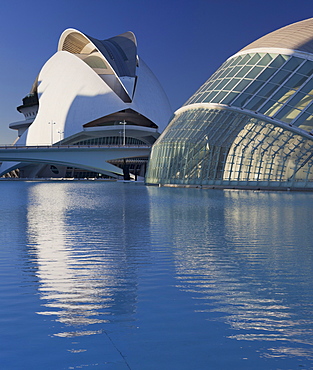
x,y
183,42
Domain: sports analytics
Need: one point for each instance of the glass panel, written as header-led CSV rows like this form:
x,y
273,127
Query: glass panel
x,y
308,87
209,97
266,74
278,61
244,59
307,124
216,74
288,114
295,81
234,61
280,77
233,71
297,97
270,108
254,87
227,63
306,68
231,84
283,94
197,98
310,109
219,97
267,90
222,84
215,83
202,88
205,95
300,101
206,86
265,60
254,59
243,71
229,98
242,84
292,63
242,99
224,73
301,119
254,72
255,103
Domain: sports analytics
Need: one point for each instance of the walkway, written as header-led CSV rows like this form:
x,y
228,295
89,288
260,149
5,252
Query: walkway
x,y
89,157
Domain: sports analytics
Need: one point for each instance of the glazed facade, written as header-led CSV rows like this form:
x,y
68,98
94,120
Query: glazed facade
x,y
250,124
278,86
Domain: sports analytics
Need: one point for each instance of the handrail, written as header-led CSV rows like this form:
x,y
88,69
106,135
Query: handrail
x,y
71,146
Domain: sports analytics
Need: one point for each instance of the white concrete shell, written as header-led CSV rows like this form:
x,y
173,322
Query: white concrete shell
x,y
89,84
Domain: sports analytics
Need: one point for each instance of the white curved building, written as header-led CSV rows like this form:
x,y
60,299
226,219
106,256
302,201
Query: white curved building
x,y
250,125
90,92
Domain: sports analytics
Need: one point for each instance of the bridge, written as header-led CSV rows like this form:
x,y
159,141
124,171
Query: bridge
x,y
89,157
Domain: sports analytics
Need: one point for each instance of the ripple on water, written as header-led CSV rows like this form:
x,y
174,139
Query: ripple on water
x,y
131,271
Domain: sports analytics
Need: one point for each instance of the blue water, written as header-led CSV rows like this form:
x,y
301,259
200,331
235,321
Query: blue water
x,y
121,276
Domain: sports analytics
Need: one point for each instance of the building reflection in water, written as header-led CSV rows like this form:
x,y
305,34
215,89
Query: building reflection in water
x,y
246,259
86,264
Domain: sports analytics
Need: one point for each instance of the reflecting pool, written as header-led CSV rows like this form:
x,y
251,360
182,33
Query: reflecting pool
x,y
122,276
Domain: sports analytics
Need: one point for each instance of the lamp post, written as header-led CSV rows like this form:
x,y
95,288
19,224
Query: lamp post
x,y
124,132
60,132
51,136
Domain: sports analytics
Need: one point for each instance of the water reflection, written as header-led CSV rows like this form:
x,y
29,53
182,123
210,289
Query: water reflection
x,y
86,264
246,259
241,258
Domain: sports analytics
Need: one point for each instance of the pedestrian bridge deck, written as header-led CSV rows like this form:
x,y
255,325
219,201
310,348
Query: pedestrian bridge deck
x,y
89,157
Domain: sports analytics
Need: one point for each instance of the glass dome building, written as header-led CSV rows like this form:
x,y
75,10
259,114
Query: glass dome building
x,y
250,125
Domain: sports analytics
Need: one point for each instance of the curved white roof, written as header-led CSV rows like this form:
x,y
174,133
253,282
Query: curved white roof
x,y
88,80
119,51
297,36
112,59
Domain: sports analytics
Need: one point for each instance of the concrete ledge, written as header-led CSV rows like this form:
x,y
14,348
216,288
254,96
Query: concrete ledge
x,y
235,187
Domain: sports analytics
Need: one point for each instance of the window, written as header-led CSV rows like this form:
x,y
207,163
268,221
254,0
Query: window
x,y
288,114
292,63
295,81
306,68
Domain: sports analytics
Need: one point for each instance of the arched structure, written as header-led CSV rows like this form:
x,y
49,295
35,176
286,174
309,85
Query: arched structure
x,y
91,92
250,125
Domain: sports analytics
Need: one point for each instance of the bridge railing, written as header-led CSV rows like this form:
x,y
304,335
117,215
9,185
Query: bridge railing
x,y
120,146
